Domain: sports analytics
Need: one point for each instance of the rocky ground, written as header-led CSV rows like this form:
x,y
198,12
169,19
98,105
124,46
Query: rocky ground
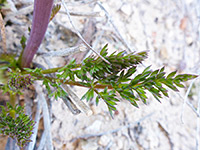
x,y
169,30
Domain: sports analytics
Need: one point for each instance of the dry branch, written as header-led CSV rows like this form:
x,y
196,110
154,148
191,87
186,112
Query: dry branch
x,y
79,35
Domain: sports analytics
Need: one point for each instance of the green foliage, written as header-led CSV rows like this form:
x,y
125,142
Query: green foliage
x,y
55,10
100,70
109,98
15,124
48,82
2,3
23,42
23,45
7,61
109,82
16,83
117,78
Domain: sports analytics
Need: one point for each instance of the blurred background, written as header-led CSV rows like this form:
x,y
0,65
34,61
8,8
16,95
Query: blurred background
x,y
168,29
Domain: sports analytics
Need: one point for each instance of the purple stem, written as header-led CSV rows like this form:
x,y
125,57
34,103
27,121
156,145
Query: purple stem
x,y
41,16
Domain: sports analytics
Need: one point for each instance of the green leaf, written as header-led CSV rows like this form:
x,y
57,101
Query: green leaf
x,y
111,103
23,42
111,107
185,77
162,89
19,127
130,72
179,84
154,73
88,95
133,102
162,69
170,85
146,70
63,68
97,100
142,94
55,10
171,74
104,51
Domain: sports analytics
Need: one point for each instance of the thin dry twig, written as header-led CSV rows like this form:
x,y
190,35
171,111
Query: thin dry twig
x,y
82,2
198,17
82,14
190,105
198,123
3,34
72,100
162,128
197,134
193,108
42,141
198,107
115,28
64,52
11,144
71,106
185,99
96,41
12,5
109,145
46,118
37,119
79,35
77,102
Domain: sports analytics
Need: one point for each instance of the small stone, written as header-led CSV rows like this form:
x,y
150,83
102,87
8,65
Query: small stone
x,y
95,127
189,40
120,144
89,145
126,9
104,140
163,52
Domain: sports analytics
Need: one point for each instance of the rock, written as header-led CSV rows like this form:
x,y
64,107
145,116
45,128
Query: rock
x,y
120,144
89,145
126,9
95,127
104,140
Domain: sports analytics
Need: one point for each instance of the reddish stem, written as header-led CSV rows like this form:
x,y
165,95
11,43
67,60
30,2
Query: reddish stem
x,y
41,15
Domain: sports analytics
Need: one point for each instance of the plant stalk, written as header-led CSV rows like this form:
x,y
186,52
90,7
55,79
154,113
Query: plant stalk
x,y
41,16
12,99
